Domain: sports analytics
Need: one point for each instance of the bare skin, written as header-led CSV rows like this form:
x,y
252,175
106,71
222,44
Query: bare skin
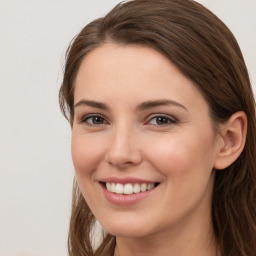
x,y
137,117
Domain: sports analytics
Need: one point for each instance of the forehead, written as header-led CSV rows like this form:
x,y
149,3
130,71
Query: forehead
x,y
134,71
123,63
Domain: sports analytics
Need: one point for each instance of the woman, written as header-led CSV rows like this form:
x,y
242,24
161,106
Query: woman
x,y
163,134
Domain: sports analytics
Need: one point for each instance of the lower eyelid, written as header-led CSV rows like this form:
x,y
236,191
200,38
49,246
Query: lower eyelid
x,y
85,118
170,120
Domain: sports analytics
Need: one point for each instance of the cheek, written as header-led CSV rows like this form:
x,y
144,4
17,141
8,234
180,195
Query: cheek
x,y
179,156
87,152
186,163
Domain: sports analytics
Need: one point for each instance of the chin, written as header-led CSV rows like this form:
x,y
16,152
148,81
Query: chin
x,y
131,229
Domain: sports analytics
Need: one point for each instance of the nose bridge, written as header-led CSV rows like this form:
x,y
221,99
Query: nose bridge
x,y
123,146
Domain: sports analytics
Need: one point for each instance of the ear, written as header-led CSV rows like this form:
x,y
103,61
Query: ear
x,y
233,134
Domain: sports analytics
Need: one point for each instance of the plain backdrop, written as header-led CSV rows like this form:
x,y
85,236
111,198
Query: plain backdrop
x,y
35,162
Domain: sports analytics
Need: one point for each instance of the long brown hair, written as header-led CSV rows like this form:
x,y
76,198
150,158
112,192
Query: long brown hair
x,y
205,51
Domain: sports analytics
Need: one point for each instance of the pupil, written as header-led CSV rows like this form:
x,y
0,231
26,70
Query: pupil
x,y
161,120
97,120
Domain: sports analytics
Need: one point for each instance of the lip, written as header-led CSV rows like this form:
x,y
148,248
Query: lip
x,y
126,180
125,200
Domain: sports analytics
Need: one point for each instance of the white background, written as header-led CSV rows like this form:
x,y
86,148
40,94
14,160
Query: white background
x,y
35,164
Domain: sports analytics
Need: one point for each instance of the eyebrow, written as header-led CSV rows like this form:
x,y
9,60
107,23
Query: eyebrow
x,y
141,107
157,103
91,103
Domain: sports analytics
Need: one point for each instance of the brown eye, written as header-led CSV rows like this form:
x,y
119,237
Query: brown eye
x,y
161,120
94,120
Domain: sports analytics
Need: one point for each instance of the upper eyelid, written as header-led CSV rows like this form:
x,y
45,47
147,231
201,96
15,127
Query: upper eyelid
x,y
146,119
92,115
171,117
84,118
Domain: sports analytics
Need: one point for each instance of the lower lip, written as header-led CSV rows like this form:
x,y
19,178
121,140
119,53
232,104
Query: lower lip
x,y
126,200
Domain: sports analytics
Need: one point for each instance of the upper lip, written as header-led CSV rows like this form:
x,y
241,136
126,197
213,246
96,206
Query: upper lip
x,y
126,180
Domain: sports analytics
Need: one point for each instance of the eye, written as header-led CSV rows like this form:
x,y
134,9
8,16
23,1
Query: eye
x,y
161,120
94,120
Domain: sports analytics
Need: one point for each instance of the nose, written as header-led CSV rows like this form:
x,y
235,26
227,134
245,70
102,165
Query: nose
x,y
123,148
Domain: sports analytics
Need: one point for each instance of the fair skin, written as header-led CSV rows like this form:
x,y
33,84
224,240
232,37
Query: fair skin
x,y
138,119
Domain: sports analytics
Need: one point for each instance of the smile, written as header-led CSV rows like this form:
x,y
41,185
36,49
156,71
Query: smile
x,y
127,191
128,188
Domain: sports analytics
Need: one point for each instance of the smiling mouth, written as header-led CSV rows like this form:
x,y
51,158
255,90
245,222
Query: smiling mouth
x,y
128,188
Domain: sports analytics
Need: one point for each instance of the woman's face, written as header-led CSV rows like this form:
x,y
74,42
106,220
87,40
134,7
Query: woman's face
x,y
140,124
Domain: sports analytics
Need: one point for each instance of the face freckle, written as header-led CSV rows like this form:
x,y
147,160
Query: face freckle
x,y
139,119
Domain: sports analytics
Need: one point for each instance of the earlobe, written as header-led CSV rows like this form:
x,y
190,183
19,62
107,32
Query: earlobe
x,y
233,134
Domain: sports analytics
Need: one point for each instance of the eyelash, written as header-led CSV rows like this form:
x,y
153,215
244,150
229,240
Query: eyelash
x,y
87,117
169,120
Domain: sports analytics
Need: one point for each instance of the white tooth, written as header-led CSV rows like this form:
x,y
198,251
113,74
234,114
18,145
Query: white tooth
x,y
119,188
113,187
143,187
108,185
128,189
136,188
150,186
